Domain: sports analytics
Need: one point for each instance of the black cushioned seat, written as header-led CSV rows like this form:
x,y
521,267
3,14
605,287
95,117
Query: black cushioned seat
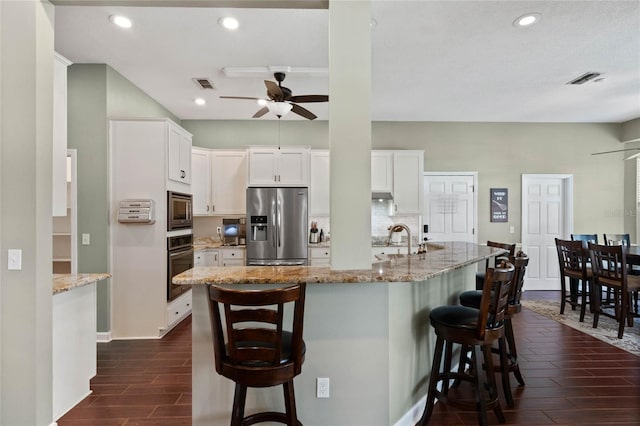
x,y
471,298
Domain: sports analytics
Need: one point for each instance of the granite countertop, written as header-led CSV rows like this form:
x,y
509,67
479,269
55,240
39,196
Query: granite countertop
x,y
439,259
66,282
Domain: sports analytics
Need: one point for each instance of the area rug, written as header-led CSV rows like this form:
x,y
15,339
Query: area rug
x,y
607,330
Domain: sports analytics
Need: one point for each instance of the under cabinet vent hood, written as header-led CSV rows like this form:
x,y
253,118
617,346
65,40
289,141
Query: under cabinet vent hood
x,y
381,196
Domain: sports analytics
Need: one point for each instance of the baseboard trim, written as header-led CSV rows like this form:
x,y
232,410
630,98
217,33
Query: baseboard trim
x,y
411,417
103,337
54,424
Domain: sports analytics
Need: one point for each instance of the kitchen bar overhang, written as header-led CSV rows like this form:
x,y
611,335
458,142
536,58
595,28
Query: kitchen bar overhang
x,y
366,330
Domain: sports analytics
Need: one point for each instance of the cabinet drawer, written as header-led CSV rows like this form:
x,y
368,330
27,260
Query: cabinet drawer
x,y
232,262
320,253
232,254
179,308
314,261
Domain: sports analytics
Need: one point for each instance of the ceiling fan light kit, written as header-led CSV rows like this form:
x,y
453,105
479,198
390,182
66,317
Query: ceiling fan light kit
x,y
282,100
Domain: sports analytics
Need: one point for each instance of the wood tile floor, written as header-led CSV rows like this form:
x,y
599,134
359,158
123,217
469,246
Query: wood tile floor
x,y
571,379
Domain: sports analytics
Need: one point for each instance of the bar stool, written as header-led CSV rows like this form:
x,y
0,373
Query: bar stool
x,y
475,329
480,275
472,299
252,348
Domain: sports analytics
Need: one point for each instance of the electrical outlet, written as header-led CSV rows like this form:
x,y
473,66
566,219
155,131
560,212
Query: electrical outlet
x,y
218,230
86,239
322,387
512,229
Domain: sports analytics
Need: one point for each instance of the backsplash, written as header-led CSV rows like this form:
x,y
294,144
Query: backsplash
x,y
381,219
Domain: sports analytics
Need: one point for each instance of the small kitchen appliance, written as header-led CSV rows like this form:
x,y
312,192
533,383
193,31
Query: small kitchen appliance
x,y
234,231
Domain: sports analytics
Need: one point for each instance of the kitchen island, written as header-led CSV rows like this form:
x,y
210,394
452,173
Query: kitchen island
x,y
366,330
73,338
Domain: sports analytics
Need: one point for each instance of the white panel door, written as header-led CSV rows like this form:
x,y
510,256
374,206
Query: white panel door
x,y
543,222
449,209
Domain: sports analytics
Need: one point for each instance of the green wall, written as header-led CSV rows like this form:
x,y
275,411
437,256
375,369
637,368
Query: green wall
x,y
499,152
95,93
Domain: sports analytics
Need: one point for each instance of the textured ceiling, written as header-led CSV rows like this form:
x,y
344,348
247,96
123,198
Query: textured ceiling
x,y
431,60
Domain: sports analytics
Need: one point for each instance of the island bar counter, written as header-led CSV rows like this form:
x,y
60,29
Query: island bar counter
x,y
366,330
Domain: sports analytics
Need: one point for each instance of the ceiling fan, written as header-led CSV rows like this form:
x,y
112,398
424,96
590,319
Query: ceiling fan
x,y
621,150
281,100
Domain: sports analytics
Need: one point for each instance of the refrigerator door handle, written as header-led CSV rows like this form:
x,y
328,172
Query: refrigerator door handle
x,y
274,217
279,225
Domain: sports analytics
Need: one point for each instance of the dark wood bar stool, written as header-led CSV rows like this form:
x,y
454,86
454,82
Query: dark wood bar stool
x,y
472,299
574,262
610,270
506,246
475,329
252,347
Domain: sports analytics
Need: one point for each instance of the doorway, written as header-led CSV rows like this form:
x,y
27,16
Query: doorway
x,y
450,206
547,214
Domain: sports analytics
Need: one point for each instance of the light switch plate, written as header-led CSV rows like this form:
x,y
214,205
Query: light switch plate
x,y
86,239
14,260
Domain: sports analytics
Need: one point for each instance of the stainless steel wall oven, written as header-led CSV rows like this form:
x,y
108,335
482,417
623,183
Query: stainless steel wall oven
x,y
179,259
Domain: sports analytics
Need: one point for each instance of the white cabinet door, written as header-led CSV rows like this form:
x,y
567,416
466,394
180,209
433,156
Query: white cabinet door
x,y
319,183
287,166
319,256
179,153
262,167
381,171
201,181
206,257
229,182
232,257
293,167
408,181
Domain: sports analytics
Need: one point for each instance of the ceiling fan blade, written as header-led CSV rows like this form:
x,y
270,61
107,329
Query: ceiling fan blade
x,y
262,111
309,98
303,112
239,97
273,90
617,150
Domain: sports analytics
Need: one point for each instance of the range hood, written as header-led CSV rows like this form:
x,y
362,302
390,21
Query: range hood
x,y
381,195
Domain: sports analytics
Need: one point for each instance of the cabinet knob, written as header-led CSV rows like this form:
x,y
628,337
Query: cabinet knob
x,y
182,174
207,208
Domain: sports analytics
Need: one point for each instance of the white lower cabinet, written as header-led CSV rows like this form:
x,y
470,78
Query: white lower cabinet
x,y
319,256
178,309
206,257
232,257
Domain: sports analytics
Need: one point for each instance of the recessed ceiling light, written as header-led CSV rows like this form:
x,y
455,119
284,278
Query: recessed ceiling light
x,y
120,21
229,23
527,20
262,102
199,101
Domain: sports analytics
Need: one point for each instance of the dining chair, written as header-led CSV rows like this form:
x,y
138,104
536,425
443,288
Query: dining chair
x,y
476,330
625,241
252,347
511,248
610,269
587,238
573,260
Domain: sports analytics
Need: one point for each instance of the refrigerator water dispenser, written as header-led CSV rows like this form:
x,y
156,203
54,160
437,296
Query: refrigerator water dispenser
x,y
258,228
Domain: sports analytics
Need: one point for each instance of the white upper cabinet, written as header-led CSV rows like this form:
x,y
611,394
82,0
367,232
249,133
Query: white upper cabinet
x,y
285,166
408,170
229,182
59,167
201,181
382,171
319,183
179,154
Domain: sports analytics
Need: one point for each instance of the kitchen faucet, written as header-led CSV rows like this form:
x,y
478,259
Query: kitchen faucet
x,y
398,227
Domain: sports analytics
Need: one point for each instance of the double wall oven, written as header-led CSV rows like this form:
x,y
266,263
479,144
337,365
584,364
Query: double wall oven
x,y
179,246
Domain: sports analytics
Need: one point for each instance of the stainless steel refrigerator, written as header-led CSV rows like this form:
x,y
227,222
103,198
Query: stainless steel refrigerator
x,y
277,226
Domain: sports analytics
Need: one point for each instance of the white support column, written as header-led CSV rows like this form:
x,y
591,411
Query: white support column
x,y
26,134
350,133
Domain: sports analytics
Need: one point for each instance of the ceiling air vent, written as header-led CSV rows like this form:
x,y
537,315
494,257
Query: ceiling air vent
x,y
588,76
204,83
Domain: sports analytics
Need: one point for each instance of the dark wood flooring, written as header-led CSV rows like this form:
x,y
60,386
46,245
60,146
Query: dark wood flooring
x,y
571,379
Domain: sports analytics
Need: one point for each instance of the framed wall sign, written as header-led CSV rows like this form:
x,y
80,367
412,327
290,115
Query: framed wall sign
x,y
499,205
